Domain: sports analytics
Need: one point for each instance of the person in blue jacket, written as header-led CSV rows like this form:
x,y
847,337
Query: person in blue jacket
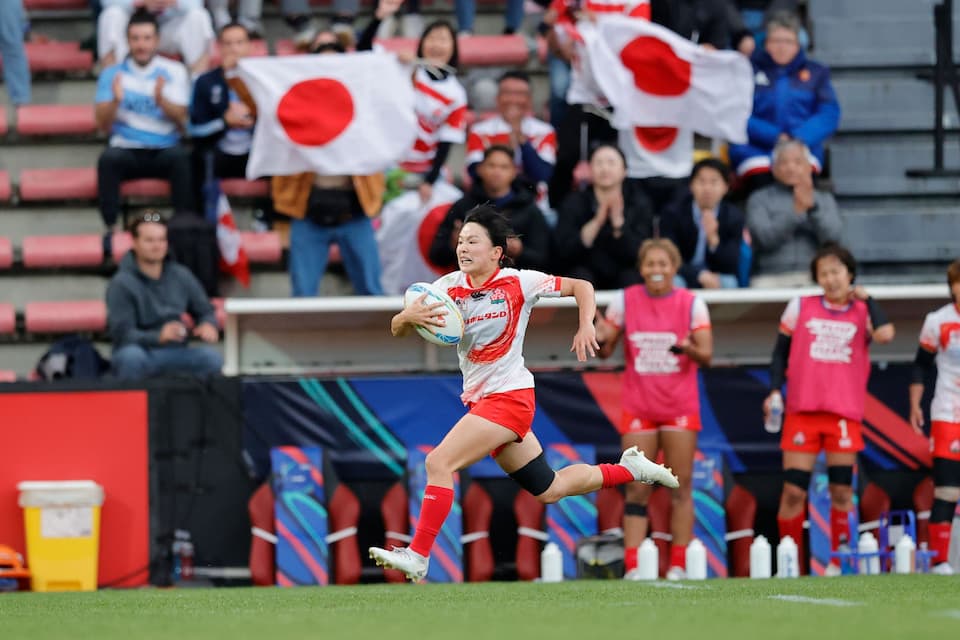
x,y
793,99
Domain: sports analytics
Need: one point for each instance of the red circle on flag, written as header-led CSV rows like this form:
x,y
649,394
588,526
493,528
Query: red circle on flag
x,y
314,112
656,68
428,230
656,139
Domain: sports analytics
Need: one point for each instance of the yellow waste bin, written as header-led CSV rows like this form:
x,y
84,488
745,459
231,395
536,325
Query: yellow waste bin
x,y
62,523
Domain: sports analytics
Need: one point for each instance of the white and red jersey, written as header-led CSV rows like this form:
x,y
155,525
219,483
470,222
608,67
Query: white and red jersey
x,y
657,151
829,359
941,335
658,385
441,108
495,130
495,317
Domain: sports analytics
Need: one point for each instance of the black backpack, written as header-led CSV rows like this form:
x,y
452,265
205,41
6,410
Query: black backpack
x,y
193,243
72,357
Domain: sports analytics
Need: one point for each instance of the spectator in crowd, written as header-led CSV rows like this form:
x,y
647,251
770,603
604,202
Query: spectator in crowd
x,y
466,11
497,185
248,15
789,220
16,71
746,20
706,229
701,21
599,230
299,16
659,162
793,99
558,61
147,300
184,29
142,101
221,124
411,22
533,141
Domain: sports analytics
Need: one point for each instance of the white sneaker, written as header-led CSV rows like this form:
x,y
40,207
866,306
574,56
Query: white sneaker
x,y
942,569
633,574
676,573
410,563
647,471
832,571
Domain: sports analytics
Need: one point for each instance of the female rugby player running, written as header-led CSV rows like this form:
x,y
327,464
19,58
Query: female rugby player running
x,y
496,301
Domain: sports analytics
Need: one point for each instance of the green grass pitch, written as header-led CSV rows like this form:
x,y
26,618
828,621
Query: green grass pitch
x,y
909,607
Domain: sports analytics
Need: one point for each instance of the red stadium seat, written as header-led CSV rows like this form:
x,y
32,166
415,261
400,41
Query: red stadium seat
x,y
62,251
122,242
65,317
486,51
8,376
262,247
4,186
478,552
146,188
741,509
922,503
47,5
394,510
529,514
6,253
610,503
874,502
8,318
240,188
3,120
285,48
56,119
344,509
659,509
58,184
263,565
58,56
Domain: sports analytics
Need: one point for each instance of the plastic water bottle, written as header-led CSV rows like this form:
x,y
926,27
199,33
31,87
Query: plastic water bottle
x,y
648,560
551,563
788,561
847,563
904,555
774,419
869,551
696,560
760,558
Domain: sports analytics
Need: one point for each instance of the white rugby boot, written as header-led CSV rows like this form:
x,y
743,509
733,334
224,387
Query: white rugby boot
x,y
942,569
676,573
410,563
647,471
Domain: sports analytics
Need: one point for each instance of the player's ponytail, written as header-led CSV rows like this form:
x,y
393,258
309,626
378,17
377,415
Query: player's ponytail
x,y
497,226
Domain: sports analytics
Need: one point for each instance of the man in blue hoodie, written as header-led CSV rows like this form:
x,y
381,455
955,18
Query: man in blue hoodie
x,y
147,300
793,99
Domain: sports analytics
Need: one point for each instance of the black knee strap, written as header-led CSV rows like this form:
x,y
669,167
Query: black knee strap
x,y
536,476
840,474
946,473
635,509
797,477
942,511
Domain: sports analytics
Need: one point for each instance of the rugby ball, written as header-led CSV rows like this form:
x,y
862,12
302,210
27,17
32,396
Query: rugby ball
x,y
444,336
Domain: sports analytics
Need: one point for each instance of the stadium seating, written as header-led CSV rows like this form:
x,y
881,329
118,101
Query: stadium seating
x,y
344,512
65,317
8,318
40,185
56,119
39,252
48,5
394,511
529,514
475,51
5,190
8,376
263,564
741,508
478,552
59,57
3,120
6,253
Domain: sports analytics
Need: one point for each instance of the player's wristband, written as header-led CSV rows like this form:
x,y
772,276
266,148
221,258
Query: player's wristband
x,y
877,315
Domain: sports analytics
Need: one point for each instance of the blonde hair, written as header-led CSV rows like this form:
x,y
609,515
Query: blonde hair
x,y
663,244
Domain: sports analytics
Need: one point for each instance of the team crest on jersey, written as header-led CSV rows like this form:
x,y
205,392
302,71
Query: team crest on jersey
x,y
955,446
497,296
798,440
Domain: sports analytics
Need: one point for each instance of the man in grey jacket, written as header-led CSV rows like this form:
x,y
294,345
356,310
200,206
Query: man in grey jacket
x,y
146,301
789,219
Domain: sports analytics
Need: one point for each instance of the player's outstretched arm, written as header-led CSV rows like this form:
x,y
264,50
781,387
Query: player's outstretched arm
x,y
418,314
585,340
883,330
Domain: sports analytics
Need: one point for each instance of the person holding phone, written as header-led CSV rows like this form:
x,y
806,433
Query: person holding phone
x,y
668,337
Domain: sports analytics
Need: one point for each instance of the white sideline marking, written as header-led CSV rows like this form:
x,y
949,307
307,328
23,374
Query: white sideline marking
x,y
827,602
952,613
667,584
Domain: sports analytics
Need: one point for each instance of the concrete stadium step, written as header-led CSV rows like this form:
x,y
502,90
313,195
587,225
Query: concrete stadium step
x,y
817,9
58,91
30,154
885,100
908,232
874,165
872,40
49,287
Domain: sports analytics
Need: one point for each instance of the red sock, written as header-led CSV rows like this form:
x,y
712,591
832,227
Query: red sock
x,y
615,474
939,540
630,558
840,527
436,504
678,556
793,527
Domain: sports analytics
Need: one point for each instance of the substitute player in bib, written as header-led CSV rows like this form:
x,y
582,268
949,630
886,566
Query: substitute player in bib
x,y
940,346
668,336
496,302
822,351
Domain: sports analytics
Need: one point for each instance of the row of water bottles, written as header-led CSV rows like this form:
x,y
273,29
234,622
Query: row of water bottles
x,y
788,560
648,561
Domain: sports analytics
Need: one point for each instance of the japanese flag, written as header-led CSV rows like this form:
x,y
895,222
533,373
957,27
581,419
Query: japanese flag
x,y
233,259
655,78
344,114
